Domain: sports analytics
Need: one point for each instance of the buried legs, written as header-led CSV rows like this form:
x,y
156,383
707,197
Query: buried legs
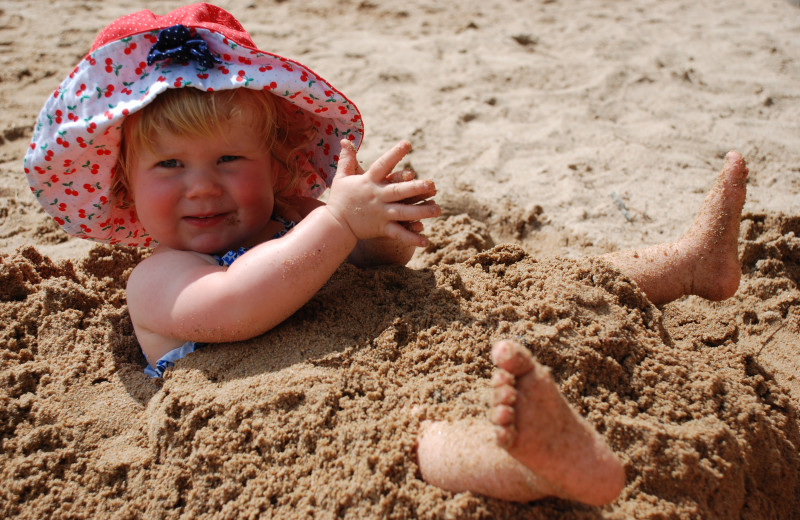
x,y
535,445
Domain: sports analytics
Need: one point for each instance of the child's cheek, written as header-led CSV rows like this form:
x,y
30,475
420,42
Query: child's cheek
x,y
156,203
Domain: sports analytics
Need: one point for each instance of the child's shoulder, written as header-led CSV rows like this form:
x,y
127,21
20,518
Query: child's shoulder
x,y
166,263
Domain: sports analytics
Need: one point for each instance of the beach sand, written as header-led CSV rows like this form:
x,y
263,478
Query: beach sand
x,y
555,131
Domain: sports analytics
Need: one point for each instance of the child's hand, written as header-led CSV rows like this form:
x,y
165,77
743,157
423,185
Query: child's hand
x,y
375,203
403,176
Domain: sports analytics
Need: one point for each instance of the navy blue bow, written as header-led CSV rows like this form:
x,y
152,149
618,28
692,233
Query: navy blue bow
x,y
177,44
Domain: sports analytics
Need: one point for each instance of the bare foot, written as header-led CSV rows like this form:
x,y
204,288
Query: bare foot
x,y
547,449
538,427
705,260
714,236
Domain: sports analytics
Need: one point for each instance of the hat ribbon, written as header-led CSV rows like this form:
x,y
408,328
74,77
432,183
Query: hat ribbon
x,y
177,44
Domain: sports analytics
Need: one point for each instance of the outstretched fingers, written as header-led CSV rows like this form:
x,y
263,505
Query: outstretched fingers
x,y
383,202
402,175
397,231
348,162
404,221
407,191
415,226
409,212
383,167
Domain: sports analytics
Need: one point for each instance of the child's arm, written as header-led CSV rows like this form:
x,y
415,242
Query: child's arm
x,y
178,295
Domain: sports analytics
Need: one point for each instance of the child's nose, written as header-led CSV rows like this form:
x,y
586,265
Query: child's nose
x,y
203,182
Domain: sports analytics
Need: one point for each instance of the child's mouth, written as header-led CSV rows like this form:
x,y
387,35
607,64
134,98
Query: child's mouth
x,y
207,220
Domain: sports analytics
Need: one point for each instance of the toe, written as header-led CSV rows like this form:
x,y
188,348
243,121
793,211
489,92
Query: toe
x,y
505,436
512,357
501,415
506,395
501,377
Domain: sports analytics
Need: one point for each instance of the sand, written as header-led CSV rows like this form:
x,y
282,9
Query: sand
x,y
554,131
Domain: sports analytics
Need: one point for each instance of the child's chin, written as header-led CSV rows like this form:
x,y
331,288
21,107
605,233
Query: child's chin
x,y
206,247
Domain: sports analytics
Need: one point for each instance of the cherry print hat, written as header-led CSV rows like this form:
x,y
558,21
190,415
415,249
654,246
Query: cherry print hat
x,y
77,136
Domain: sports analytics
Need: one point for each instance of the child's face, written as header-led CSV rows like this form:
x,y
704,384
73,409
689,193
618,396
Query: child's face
x,y
206,194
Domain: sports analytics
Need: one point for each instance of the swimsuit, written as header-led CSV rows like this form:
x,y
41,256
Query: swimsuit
x,y
169,359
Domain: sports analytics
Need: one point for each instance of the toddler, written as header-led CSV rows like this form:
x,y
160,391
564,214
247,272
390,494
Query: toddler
x,y
176,133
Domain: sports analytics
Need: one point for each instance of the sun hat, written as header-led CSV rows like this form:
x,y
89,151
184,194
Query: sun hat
x,y
76,139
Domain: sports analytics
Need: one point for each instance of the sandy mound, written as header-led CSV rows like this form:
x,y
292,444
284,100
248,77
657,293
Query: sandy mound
x,y
315,416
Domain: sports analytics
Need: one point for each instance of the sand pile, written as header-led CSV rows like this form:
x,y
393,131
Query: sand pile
x,y
315,417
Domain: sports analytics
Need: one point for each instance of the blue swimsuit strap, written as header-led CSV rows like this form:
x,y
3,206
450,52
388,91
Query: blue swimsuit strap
x,y
228,258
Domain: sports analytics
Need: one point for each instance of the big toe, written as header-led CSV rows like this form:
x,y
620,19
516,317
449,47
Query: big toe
x,y
736,165
512,357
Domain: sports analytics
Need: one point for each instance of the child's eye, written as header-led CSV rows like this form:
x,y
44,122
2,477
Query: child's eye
x,y
229,158
169,163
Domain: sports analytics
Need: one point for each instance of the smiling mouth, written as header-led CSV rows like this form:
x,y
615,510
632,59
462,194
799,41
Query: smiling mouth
x,y
212,219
